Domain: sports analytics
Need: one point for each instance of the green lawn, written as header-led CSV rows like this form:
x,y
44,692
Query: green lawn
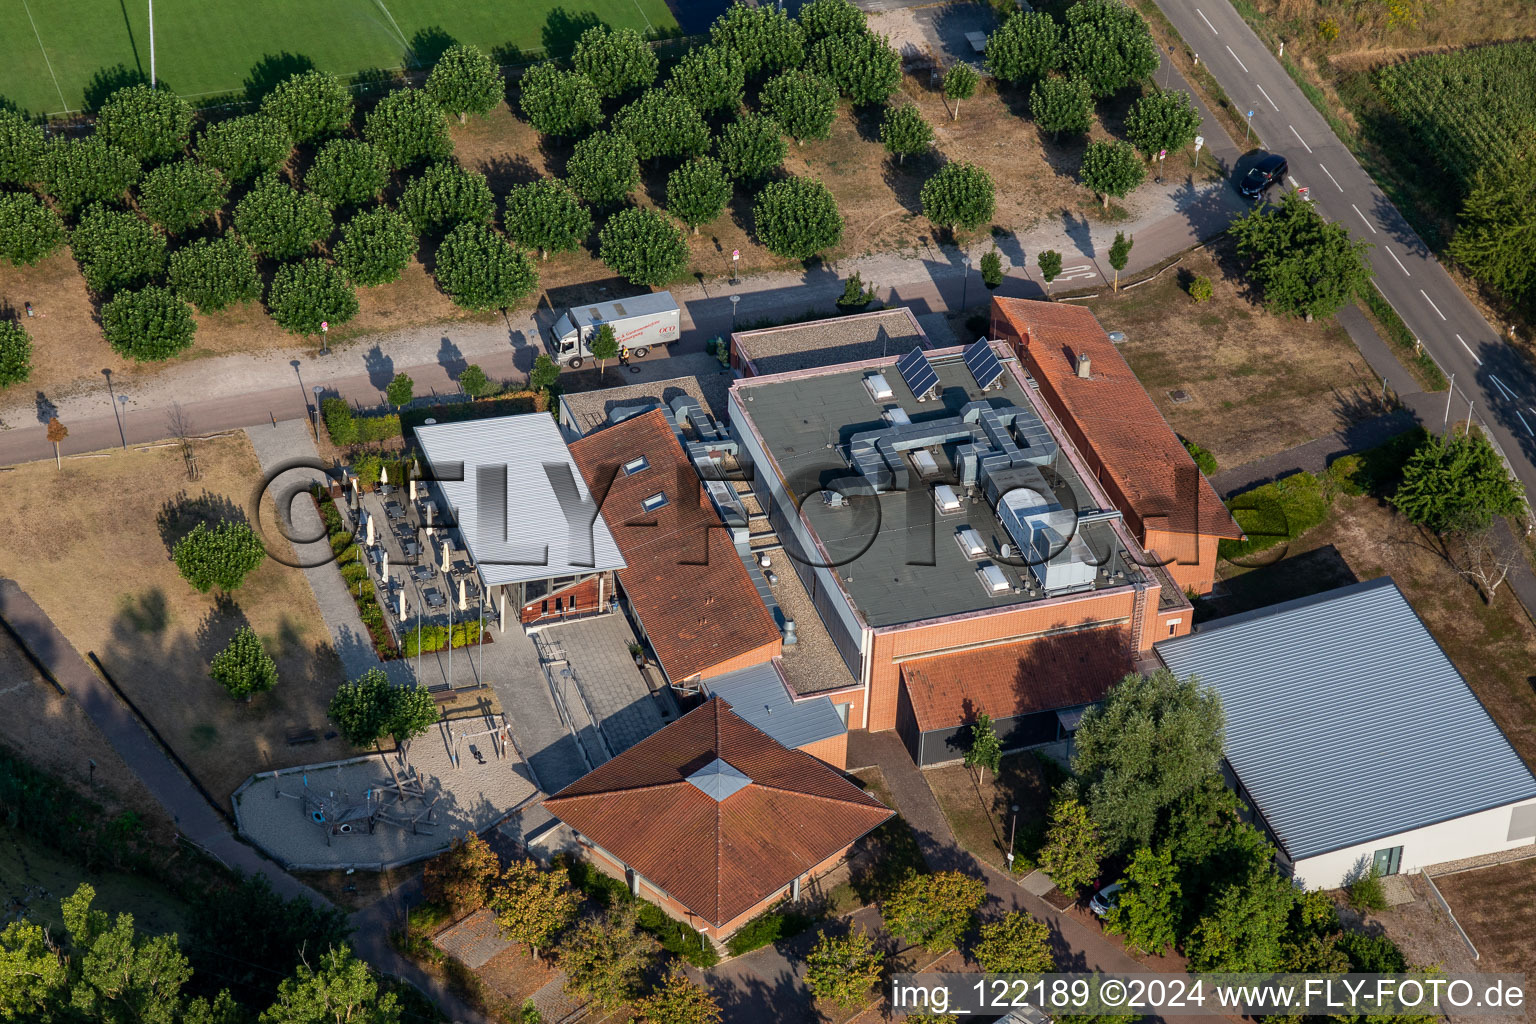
x,y
209,48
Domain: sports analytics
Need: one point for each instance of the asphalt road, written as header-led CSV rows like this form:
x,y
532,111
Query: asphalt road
x,y
1489,374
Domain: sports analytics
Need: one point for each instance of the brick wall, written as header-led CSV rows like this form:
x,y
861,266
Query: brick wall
x,y
834,750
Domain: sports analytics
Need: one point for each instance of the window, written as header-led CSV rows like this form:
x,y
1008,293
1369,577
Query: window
x,y
842,712
1387,862
654,502
635,465
1173,626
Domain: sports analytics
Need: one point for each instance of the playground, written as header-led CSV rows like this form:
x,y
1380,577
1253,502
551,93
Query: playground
x,y
384,810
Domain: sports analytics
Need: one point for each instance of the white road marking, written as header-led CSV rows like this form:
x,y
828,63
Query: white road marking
x,y
1266,96
1080,271
1207,22
1298,137
1366,219
1458,337
1238,59
1398,262
1332,178
1500,385
1441,315
1524,424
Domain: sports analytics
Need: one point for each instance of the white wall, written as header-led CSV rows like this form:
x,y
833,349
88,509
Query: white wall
x,y
1469,836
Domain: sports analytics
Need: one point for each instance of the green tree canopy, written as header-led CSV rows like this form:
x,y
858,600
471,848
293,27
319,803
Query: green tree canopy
x,y
1108,45
903,131
712,78
698,191
479,269
843,968
1049,262
766,39
546,215
29,229
1147,911
1073,847
244,667
1496,232
116,249
473,381
604,345
959,195
934,910
1058,104
533,905
556,102
147,325
21,149
408,128
15,353
822,18
182,195
678,1000
375,246
1153,740
118,975
1162,120
662,123
1015,944
1120,254
214,273
370,708
400,390
310,105
310,292
244,147
864,67
985,750
544,374
446,195
465,81
78,172
751,147
346,172
992,268
615,60
1024,48
797,218
280,221
960,83
339,988
1112,169
1301,264
605,960
604,168
151,124
1246,927
643,247
221,557
1456,484
802,103
33,978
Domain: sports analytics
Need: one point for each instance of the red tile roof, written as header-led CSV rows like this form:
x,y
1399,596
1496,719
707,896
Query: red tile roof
x,y
1062,671
1116,416
717,858
683,577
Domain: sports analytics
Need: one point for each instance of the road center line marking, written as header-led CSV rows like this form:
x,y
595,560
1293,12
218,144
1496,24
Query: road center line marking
x,y
1367,220
1207,22
1500,385
1398,262
1266,96
1524,424
1458,337
1298,137
1442,317
1238,59
1332,178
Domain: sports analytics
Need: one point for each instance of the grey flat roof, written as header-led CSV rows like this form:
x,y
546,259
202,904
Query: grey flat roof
x,y
882,555
843,339
757,694
1346,722
698,375
538,542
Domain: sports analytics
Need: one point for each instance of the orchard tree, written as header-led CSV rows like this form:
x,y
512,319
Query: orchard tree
x,y
116,249
616,60
561,103
698,191
1459,484
934,910
280,221
151,124
446,195
642,246
214,273
797,218
473,381
371,708
1162,120
802,103
604,168
546,215
1049,262
533,905
308,293
1108,45
903,131
1060,104
1147,908
662,123
465,81
843,968
400,390
244,668
347,172
339,988
678,1000
765,38
29,229
1120,254
408,128
78,172
1496,232
1015,944
822,18
751,147
147,325
986,750
244,147
606,960
1112,169
21,149
15,354
864,67
959,195
1024,48
712,78
221,556
960,83
182,195
478,269
1301,264
376,245
311,105
1072,849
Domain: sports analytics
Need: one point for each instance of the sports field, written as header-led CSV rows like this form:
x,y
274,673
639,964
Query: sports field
x,y
63,53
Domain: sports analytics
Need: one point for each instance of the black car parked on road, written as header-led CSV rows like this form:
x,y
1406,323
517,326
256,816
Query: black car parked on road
x,y
1270,170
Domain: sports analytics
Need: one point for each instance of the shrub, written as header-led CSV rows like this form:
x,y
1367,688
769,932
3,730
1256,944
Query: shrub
x,y
776,924
1200,289
376,245
1366,892
339,421
147,325
1203,459
29,229
213,273
1275,513
992,269
15,354
1456,484
855,295
308,293
435,638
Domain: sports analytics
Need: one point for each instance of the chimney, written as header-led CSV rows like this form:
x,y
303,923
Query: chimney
x,y
1084,366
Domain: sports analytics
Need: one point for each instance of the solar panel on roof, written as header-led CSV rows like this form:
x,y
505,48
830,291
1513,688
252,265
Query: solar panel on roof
x,y
918,373
983,364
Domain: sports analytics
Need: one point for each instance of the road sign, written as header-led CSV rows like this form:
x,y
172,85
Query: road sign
x,y
1162,154
1304,192
735,254
324,326
1199,141
1250,113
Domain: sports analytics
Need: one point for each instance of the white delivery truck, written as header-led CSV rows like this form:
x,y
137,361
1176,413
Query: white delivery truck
x,y
639,324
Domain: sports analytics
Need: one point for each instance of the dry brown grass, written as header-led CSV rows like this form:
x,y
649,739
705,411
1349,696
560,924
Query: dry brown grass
x,y
980,814
1497,907
85,543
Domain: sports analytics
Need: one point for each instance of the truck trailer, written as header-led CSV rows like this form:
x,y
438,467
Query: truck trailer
x,y
639,323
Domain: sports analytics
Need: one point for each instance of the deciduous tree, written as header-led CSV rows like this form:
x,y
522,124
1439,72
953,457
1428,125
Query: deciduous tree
x,y
408,128
479,269
371,707
544,374
712,78
376,245
1120,254
533,905
1112,169
1073,848
244,668
959,195
473,381
78,172
57,432
903,131
751,147
1496,232
616,60
340,988
182,195
992,269
556,102
801,103
1301,264
21,149
33,979
151,124
1245,929
446,195
1108,45
765,38
147,325
1162,120
1059,104
221,557
960,83
29,229
310,105
863,66
310,292
698,191
935,909
604,168
546,215
1049,262
797,218
643,247
15,353
986,750
278,220
678,1000
400,390
244,147
1015,944
662,123
346,172
603,345
605,960
822,18
117,975
1456,484
465,81
116,249
843,968
1147,907
1024,48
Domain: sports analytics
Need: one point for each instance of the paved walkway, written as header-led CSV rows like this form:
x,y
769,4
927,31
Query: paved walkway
x,y
1314,456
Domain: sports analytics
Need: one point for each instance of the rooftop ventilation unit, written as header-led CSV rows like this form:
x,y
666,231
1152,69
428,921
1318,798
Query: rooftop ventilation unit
x,y
984,365
992,579
924,462
1050,539
947,500
897,416
879,387
1084,366
971,543
919,375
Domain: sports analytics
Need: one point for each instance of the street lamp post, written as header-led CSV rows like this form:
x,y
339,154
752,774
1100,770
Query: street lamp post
x,y
151,44
1012,831
318,392
1168,70
965,281
112,395
122,400
325,329
734,300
